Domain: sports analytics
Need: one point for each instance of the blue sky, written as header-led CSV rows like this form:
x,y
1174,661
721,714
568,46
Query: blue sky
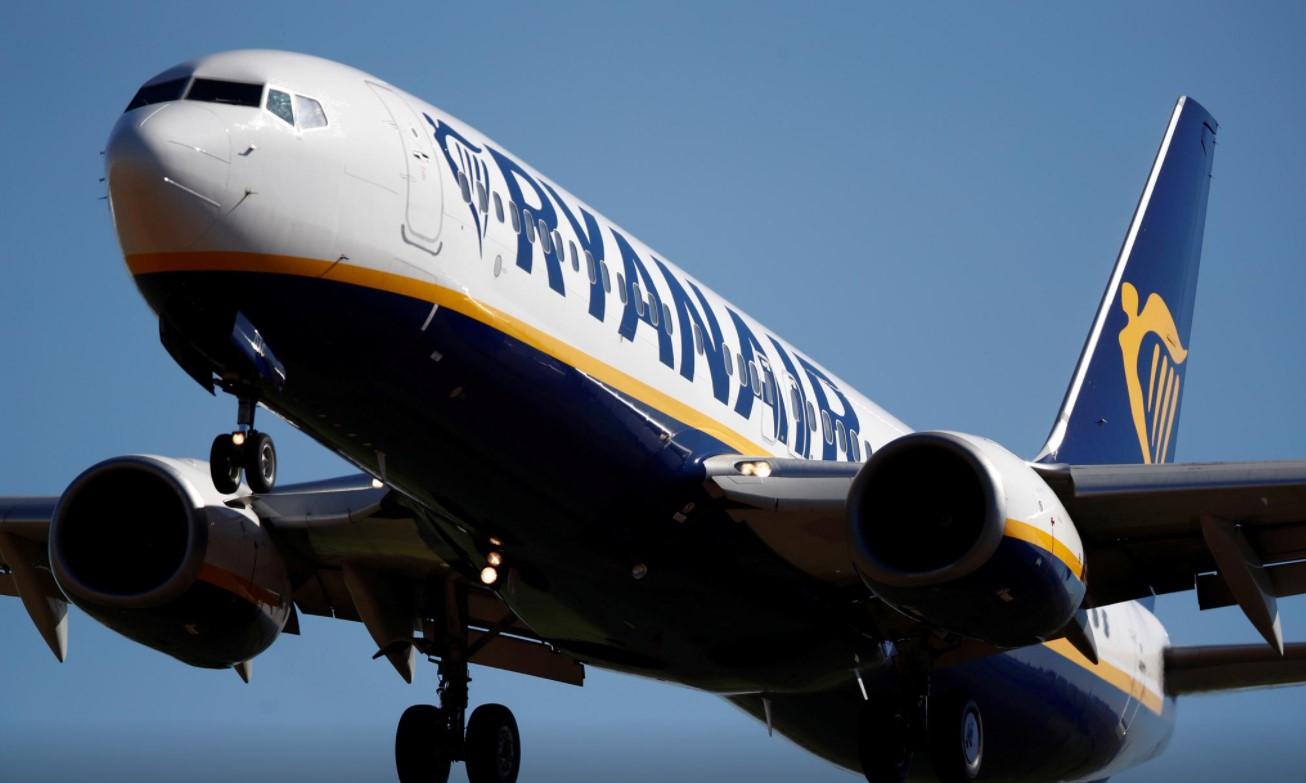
x,y
945,188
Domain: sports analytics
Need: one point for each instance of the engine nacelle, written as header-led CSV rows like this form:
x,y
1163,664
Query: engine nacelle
x,y
958,532
146,546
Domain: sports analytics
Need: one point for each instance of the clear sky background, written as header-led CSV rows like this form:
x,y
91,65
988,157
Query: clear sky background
x,y
927,200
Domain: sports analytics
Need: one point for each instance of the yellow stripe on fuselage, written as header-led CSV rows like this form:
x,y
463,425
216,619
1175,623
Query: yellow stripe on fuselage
x,y
1023,531
1118,678
155,263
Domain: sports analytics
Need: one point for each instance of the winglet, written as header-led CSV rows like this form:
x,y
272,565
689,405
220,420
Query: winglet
x,y
1122,404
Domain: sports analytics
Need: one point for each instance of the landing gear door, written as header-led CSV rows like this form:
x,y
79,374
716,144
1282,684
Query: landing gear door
x,y
424,214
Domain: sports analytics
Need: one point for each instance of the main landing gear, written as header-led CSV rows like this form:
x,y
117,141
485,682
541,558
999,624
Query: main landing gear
x,y
894,726
245,449
431,738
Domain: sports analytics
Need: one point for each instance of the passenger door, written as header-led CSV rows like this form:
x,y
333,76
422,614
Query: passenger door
x,y
424,216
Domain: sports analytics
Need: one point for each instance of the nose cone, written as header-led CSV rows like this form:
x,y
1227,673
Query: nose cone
x,y
167,168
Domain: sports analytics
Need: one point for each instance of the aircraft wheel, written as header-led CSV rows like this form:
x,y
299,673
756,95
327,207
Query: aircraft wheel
x,y
260,462
884,741
493,746
422,745
956,739
224,464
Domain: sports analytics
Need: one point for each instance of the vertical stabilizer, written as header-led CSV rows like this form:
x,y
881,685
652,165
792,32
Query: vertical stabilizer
x,y
1122,405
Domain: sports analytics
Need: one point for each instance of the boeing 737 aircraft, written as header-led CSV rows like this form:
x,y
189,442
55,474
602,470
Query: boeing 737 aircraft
x,y
574,453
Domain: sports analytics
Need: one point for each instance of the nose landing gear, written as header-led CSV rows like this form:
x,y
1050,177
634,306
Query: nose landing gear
x,y
245,449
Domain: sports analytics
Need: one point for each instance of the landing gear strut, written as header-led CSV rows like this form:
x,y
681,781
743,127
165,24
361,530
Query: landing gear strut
x,y
245,449
895,725
430,738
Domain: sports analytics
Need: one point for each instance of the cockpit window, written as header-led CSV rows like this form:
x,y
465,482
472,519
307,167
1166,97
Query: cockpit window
x,y
234,93
279,104
310,113
170,90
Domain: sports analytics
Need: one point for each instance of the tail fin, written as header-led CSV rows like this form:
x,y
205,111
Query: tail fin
x,y
1122,405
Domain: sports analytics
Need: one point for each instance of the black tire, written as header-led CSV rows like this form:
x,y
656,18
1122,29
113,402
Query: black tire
x,y
260,458
884,741
224,464
956,739
493,747
422,745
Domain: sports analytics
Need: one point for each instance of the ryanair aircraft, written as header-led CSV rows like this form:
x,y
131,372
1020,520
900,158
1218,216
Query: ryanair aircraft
x,y
574,453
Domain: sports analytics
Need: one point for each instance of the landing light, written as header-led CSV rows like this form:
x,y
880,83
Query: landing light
x,y
377,484
494,559
489,575
761,469
238,438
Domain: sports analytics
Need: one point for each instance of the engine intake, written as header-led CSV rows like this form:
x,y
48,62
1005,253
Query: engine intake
x,y
926,509
146,546
958,532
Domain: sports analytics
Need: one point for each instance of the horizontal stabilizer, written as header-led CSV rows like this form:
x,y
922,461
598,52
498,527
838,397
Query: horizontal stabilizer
x,y
1191,670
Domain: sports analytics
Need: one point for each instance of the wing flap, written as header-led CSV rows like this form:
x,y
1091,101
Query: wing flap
x,y
25,568
1193,670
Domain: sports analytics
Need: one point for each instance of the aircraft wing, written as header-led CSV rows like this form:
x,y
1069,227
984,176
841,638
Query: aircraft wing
x,y
353,552
25,568
1235,532
1190,670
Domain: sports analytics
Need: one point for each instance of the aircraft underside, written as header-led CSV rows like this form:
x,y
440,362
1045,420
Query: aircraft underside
x,y
463,421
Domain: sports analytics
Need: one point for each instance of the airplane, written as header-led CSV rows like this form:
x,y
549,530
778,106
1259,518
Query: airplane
x,y
573,453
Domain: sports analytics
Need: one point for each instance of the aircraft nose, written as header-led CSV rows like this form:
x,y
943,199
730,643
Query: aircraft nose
x,y
167,170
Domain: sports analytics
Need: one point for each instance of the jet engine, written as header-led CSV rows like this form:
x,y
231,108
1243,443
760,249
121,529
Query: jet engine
x,y
147,547
960,533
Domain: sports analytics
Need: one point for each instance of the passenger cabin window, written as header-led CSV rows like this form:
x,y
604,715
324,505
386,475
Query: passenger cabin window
x,y
161,92
482,198
795,401
638,296
590,268
607,279
279,104
575,260
698,338
666,319
755,378
310,113
218,91
743,369
842,434
811,416
516,217
854,446
546,239
528,222
464,187
621,287
498,208
654,313
825,426
725,357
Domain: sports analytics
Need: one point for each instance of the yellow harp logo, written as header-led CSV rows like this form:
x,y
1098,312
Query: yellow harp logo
x,y
1153,406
